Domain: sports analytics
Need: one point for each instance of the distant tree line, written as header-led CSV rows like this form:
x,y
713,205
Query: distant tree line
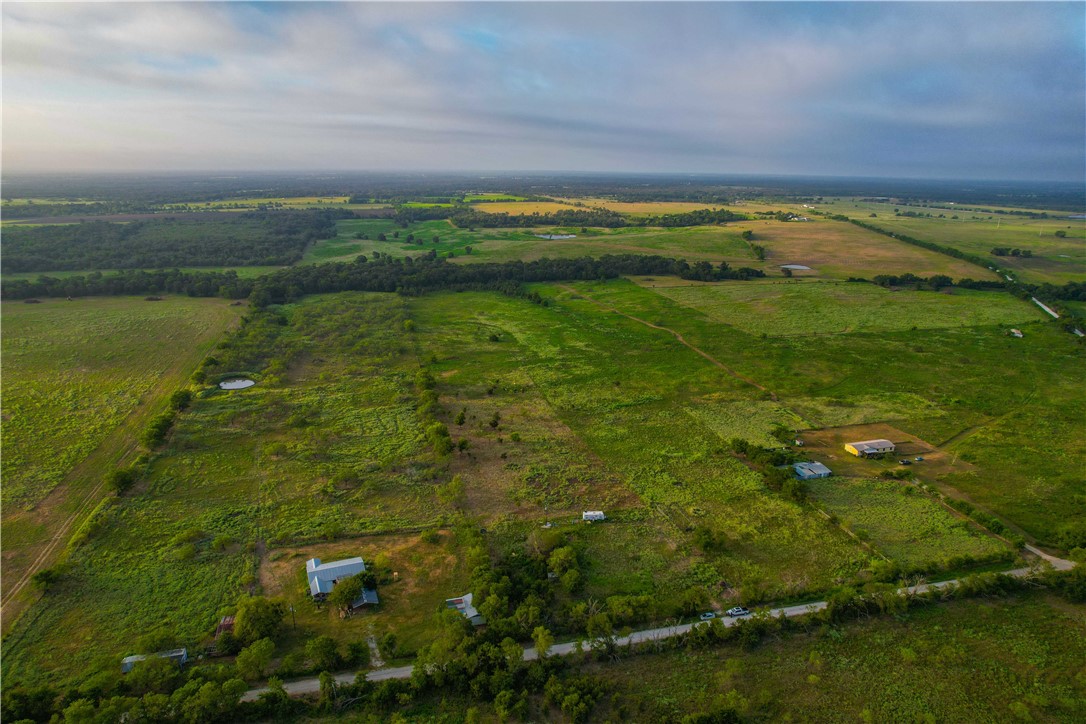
x,y
381,273
598,217
245,239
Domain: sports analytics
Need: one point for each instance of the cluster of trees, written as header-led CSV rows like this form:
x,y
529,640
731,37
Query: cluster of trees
x,y
769,463
382,273
38,210
698,217
249,239
429,272
703,271
934,283
1007,251
468,218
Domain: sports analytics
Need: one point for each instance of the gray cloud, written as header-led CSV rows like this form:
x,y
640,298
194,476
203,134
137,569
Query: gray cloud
x,y
970,89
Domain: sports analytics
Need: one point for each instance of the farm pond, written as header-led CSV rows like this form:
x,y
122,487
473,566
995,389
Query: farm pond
x,y
236,384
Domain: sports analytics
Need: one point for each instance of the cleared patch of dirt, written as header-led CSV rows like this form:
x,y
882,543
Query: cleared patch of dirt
x,y
828,447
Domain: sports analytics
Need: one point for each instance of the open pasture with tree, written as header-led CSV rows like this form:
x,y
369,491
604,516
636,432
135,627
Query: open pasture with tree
x,y
841,250
1055,242
1007,406
363,236
616,384
82,379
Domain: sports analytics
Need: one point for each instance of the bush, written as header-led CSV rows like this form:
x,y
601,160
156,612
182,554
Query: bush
x,y
157,429
180,399
389,645
323,653
358,654
121,479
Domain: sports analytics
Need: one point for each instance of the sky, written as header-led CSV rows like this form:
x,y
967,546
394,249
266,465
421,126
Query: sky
x,y
927,90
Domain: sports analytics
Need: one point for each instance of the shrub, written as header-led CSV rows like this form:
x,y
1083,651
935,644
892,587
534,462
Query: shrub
x,y
323,653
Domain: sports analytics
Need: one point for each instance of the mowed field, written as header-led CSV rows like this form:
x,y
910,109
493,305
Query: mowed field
x,y
81,379
794,307
840,250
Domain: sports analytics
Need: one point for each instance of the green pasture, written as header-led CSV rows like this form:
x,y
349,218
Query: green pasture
x,y
594,410
794,307
1009,659
1011,407
82,379
1055,260
616,384
74,370
834,249
902,524
327,445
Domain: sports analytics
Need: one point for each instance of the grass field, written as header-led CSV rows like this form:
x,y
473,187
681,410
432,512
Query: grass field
x,y
840,250
326,445
1055,260
81,380
524,207
566,407
644,208
900,523
834,249
996,660
1013,411
786,308
622,407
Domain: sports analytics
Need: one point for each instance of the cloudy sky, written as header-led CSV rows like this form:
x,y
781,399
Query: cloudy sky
x,y
960,90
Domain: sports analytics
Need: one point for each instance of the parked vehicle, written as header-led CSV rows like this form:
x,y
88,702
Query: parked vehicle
x,y
738,611
707,616
919,459
905,461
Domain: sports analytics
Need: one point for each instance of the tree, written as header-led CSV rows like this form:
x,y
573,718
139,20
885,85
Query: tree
x,y
1061,233
324,654
257,618
389,645
46,579
180,399
346,592
253,661
121,479
543,640
461,416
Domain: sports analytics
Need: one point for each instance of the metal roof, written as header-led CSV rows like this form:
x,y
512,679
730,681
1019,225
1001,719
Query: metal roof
x,y
814,468
323,576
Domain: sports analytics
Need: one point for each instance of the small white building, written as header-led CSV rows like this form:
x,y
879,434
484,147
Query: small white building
x,y
591,515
